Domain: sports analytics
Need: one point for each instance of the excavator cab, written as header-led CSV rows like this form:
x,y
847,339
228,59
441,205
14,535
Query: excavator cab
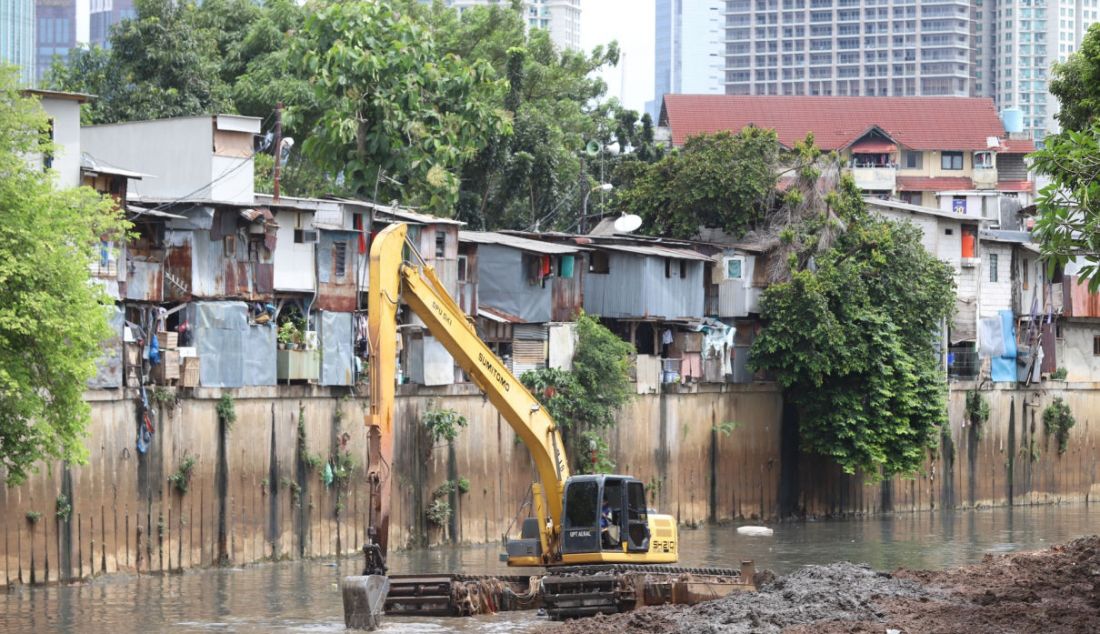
x,y
604,513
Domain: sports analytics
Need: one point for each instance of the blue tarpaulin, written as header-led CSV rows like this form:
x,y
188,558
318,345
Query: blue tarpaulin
x,y
1004,366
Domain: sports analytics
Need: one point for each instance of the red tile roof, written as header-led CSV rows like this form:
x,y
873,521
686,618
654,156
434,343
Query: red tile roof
x,y
918,123
1016,186
1017,146
934,184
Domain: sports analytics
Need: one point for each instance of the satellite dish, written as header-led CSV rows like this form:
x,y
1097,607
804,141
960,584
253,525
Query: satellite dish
x,y
593,148
627,223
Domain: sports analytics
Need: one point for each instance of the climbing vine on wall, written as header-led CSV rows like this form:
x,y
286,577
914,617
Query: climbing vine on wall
x,y
976,412
1058,420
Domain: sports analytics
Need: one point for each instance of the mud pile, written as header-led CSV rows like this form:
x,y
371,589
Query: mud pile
x,y
1052,591
841,591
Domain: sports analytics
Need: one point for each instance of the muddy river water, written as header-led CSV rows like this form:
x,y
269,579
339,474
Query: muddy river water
x,y
304,597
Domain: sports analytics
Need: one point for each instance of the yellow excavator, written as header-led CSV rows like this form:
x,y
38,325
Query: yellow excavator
x,y
583,523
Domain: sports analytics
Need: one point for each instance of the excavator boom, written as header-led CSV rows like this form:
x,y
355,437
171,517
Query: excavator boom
x,y
391,277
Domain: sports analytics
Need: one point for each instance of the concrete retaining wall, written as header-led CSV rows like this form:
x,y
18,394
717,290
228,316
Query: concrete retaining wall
x,y
712,453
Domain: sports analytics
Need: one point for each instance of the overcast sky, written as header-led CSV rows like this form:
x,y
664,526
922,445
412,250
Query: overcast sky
x,y
631,23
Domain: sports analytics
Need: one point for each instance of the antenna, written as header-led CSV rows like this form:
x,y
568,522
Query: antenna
x,y
627,223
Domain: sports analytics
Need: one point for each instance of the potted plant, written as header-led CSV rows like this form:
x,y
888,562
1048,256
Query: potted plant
x,y
288,335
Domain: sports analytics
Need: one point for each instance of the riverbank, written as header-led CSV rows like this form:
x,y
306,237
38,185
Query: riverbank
x,y
1055,591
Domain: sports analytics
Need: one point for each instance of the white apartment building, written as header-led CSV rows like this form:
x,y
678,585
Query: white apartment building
x,y
689,52
1016,42
848,47
562,18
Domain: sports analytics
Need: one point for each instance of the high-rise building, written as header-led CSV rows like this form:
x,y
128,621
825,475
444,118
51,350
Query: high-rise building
x,y
55,32
17,36
562,18
689,54
1018,42
103,15
849,47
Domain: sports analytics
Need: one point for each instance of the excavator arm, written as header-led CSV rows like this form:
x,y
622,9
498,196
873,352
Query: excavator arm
x,y
391,279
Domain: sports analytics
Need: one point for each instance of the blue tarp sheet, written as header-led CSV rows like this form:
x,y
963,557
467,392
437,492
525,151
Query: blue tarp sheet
x,y
1004,366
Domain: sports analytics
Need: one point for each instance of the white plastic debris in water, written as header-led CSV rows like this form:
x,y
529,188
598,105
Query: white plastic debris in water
x,y
755,531
893,631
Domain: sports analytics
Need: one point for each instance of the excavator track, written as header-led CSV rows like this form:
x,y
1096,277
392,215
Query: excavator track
x,y
580,591
568,592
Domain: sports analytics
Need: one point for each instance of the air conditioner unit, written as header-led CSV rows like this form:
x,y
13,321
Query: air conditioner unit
x,y
305,236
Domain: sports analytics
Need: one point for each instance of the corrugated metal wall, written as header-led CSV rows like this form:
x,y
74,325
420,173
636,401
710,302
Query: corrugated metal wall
x,y
636,286
504,284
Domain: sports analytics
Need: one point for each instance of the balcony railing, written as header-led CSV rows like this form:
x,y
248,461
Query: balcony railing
x,y
875,178
985,177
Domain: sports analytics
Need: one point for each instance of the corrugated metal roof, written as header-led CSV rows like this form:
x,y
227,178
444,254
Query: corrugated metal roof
x,y
156,213
401,214
1005,235
655,251
918,209
497,315
516,242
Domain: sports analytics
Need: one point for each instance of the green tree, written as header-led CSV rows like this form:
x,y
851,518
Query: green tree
x,y
396,113
718,180
52,320
1076,84
163,63
1068,224
586,398
850,336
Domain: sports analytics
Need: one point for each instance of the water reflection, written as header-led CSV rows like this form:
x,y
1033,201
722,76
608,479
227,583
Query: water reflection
x,y
304,596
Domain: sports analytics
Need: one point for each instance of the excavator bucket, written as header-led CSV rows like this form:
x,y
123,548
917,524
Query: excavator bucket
x,y
364,600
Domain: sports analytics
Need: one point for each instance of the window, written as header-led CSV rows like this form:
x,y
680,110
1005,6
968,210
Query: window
x,y
668,267
599,263
440,244
992,267
1096,346
340,258
913,160
734,268
951,160
462,264
683,269
1027,274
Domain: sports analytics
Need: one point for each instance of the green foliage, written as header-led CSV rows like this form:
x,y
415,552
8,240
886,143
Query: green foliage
x,y
33,517
391,103
727,427
718,180
227,411
597,458
181,479
443,424
1059,374
1058,420
851,339
439,511
343,465
1076,84
448,487
63,507
164,63
463,485
52,321
976,411
164,397
295,491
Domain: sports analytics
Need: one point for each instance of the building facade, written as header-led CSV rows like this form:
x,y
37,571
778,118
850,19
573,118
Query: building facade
x,y
55,33
1016,43
692,64
17,36
848,47
103,15
950,153
562,18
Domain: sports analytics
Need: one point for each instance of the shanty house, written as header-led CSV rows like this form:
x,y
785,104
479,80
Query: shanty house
x,y
632,280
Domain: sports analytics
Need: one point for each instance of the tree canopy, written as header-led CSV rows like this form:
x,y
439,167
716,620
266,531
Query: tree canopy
x,y
500,113
721,180
1068,224
52,320
850,333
